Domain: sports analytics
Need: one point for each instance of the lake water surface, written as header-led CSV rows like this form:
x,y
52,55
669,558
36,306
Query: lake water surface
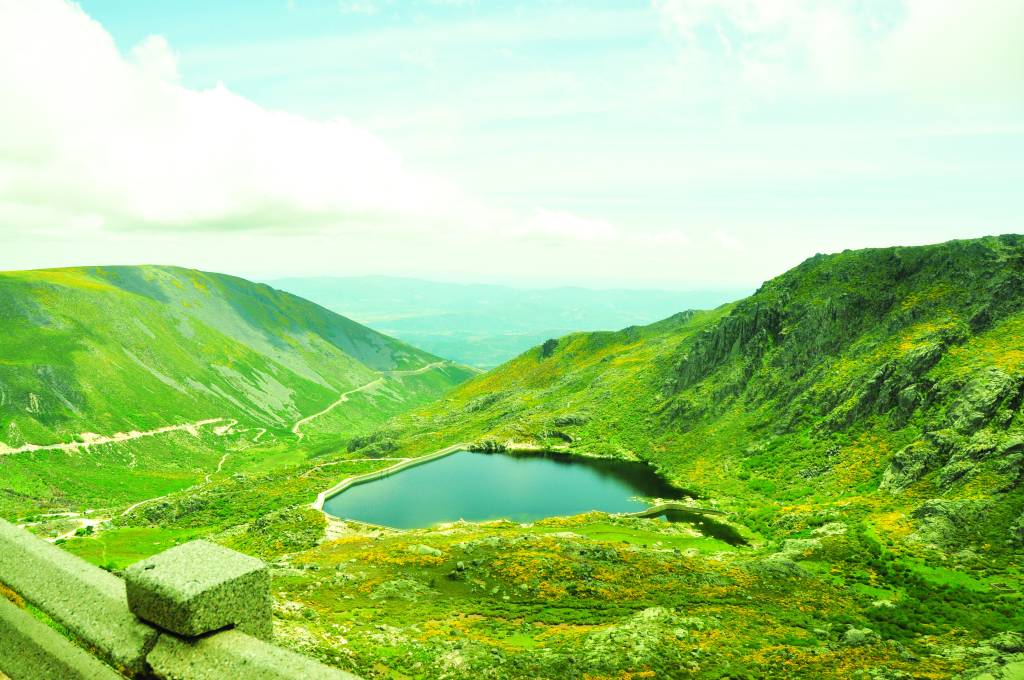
x,y
480,486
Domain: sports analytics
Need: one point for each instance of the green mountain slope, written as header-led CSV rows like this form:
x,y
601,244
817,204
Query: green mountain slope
x,y
885,379
859,416
858,420
88,353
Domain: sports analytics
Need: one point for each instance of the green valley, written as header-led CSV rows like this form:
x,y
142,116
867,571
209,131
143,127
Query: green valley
x,y
857,421
533,340
119,384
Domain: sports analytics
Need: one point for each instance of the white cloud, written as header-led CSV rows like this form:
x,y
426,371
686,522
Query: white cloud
x,y
967,53
154,57
727,240
94,140
91,133
558,224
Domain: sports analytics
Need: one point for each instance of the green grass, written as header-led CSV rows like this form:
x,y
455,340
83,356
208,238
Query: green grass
x,y
615,533
116,349
119,547
858,417
944,576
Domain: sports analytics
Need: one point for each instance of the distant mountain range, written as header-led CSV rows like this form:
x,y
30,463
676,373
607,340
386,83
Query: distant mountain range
x,y
485,325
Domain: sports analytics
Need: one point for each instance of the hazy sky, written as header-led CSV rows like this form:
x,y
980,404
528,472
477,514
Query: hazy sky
x,y
673,143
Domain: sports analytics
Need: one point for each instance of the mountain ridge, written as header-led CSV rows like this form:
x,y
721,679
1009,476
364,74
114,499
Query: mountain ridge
x,y
850,370
94,360
857,421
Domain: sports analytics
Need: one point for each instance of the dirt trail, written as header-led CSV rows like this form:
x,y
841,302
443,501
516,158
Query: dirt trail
x,y
416,371
297,427
227,424
93,439
220,466
82,523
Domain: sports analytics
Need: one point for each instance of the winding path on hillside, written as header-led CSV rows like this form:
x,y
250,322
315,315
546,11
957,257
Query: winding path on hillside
x,y
93,439
297,427
227,424
416,371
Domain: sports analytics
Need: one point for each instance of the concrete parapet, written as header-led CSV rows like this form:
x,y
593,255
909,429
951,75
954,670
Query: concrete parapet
x,y
200,587
31,650
322,497
233,654
197,586
90,602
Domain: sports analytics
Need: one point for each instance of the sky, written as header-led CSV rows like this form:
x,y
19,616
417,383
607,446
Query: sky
x,y
647,143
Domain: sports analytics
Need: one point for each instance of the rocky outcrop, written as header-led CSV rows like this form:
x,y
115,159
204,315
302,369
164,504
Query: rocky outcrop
x,y
749,331
998,658
648,638
981,397
909,464
488,446
859,637
946,522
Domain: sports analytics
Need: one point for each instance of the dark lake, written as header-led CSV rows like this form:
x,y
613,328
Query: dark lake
x,y
481,486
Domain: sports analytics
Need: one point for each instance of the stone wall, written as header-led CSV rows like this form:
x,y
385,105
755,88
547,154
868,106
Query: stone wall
x,y
195,611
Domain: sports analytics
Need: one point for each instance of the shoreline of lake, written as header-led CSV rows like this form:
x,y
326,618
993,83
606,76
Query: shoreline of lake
x,y
474,491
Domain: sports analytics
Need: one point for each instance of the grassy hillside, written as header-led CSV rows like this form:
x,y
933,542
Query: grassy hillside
x,y
859,416
88,353
883,379
858,420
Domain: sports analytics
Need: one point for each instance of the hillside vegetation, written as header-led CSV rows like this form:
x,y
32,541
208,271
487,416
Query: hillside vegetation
x,y
204,362
859,416
857,419
884,380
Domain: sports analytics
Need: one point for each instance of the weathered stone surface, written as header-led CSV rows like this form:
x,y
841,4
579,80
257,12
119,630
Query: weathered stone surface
x,y
233,654
980,397
909,465
30,649
421,549
830,529
998,658
199,587
90,602
1008,643
778,565
858,637
640,639
944,522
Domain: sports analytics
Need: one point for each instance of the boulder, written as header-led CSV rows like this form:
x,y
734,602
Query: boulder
x,y
980,398
778,566
420,549
646,638
830,529
199,587
1008,642
859,637
944,522
909,464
